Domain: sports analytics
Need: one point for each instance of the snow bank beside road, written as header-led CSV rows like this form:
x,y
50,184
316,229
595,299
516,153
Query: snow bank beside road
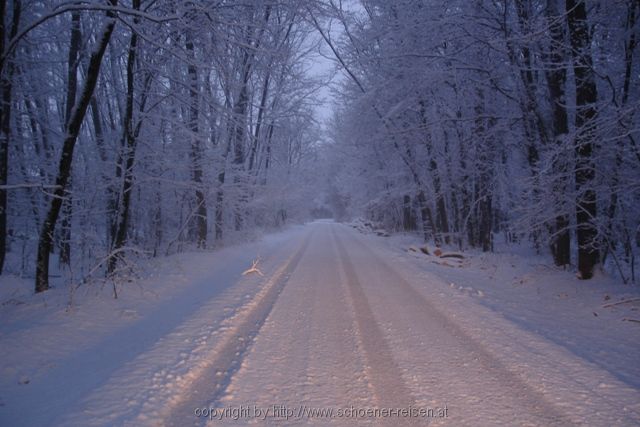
x,y
526,289
131,349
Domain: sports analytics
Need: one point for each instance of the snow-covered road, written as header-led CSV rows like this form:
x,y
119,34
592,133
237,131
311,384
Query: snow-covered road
x,y
341,331
349,332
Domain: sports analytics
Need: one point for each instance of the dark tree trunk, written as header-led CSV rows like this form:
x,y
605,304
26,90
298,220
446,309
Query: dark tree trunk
x,y
220,195
485,232
196,149
219,214
127,157
556,75
97,127
157,223
65,227
441,223
219,208
483,188
261,110
239,134
521,56
528,75
6,80
267,157
586,97
72,89
66,157
240,114
428,228
629,48
408,218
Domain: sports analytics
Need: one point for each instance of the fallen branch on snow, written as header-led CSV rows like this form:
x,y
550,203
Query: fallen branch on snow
x,y
452,255
254,268
621,302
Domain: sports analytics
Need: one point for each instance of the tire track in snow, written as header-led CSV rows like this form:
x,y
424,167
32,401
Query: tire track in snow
x,y
210,384
308,353
390,391
410,300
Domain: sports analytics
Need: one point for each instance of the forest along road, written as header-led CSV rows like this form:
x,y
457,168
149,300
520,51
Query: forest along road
x,y
341,337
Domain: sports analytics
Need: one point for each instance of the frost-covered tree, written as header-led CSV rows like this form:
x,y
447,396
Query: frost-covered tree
x,y
484,117
146,127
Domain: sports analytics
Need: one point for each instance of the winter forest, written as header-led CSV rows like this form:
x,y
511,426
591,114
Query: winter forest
x,y
141,128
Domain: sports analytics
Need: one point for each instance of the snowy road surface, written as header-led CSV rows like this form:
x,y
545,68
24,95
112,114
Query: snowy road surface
x,y
338,331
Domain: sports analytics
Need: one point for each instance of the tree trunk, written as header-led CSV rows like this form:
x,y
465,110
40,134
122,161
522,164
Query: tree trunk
x,y
586,97
65,227
428,228
485,209
629,48
240,115
441,222
126,160
72,89
261,110
220,195
239,133
66,157
196,149
556,76
483,187
267,157
6,83
408,219
219,214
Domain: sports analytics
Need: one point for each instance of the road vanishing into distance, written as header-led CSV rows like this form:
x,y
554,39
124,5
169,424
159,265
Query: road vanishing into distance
x,y
318,325
343,336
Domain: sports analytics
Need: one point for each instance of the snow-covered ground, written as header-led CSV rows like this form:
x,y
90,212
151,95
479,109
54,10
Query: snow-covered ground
x,y
341,324
103,359
598,319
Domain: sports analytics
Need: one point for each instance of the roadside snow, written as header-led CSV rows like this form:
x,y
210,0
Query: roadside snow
x,y
528,290
60,362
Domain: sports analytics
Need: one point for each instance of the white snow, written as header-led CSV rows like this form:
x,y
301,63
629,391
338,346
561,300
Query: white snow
x,y
102,360
360,322
526,289
529,346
